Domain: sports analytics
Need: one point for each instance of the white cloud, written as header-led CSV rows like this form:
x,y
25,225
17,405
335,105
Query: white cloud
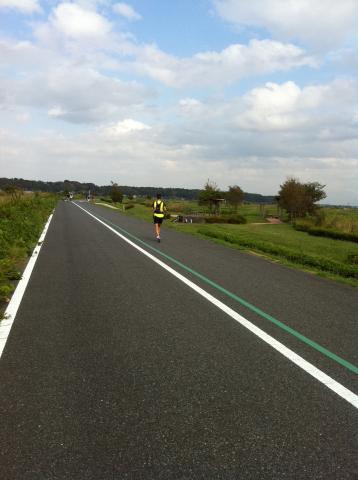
x,y
76,22
287,107
219,68
124,127
57,112
255,140
126,11
320,22
24,6
189,103
53,156
68,74
75,94
24,55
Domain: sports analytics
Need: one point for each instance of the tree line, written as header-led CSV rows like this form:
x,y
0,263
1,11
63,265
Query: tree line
x,y
105,190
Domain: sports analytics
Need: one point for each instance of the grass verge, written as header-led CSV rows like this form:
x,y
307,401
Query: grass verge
x,y
21,223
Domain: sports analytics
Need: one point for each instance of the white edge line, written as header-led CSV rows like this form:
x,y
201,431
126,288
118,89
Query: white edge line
x,y
106,205
315,372
10,312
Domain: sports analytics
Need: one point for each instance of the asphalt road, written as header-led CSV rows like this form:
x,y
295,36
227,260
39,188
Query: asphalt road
x,y
115,369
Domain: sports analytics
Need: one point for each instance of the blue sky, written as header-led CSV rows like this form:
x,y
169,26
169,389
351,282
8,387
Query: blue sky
x,y
240,92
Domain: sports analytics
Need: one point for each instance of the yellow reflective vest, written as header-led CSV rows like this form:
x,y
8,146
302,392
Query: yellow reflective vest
x,y
158,206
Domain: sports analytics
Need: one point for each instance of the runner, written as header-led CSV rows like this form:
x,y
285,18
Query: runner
x,y
158,214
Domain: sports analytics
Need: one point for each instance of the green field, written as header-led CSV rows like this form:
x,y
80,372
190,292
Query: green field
x,y
338,219
326,257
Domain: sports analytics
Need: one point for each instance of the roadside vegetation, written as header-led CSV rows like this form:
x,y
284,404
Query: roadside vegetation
x,y
22,218
294,231
328,257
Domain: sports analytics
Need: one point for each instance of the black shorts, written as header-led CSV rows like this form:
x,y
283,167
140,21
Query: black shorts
x,y
158,219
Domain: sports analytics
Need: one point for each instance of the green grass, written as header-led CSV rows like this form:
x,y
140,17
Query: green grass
x,y
344,219
339,219
21,222
285,236
140,211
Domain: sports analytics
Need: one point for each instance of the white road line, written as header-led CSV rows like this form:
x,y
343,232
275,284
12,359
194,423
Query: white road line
x,y
322,377
10,313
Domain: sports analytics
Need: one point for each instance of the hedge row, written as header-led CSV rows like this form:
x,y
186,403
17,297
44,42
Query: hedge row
x,y
234,219
348,271
322,232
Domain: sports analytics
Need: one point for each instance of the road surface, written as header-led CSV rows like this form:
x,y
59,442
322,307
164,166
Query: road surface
x,y
115,368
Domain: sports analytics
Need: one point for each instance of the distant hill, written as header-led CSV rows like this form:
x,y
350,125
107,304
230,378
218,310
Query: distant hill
x,y
81,187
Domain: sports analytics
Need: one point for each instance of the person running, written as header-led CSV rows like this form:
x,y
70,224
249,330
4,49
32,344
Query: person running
x,y
158,214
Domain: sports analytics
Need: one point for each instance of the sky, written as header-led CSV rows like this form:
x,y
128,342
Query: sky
x,y
170,93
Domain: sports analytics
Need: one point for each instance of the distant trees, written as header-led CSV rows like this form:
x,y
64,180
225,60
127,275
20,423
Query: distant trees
x,y
69,186
115,193
210,195
298,198
234,196
104,190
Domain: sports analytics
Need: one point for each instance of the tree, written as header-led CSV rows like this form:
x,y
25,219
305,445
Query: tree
x,y
315,194
298,198
115,193
234,196
209,195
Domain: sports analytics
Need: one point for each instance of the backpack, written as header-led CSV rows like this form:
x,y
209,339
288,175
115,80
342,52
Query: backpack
x,y
159,206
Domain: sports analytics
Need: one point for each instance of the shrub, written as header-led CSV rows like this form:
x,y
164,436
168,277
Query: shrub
x,y
115,193
21,222
323,232
233,219
319,217
352,258
128,206
108,200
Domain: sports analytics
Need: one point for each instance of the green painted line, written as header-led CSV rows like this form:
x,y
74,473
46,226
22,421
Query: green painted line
x,y
243,302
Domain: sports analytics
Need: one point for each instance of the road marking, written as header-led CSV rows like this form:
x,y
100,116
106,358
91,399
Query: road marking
x,y
258,311
106,205
322,377
10,313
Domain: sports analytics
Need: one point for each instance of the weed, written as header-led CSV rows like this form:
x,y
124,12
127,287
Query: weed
x,y
21,222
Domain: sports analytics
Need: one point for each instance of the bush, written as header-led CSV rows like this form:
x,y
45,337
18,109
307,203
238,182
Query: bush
x,y
233,219
108,200
128,206
319,218
352,258
323,232
21,222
